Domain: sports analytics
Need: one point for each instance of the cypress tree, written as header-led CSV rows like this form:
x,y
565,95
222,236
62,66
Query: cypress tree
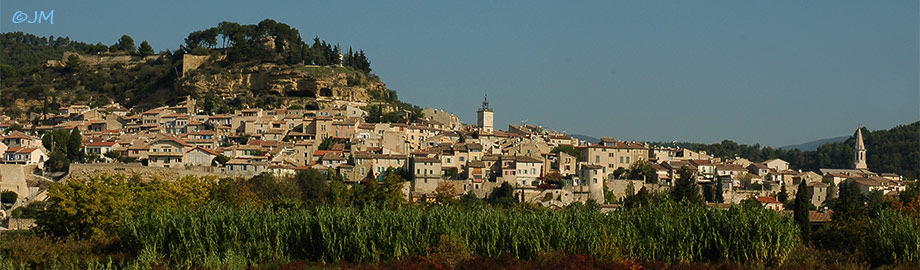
x,y
802,204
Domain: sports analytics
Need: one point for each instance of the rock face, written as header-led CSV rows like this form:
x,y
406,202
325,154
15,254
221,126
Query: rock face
x,y
321,83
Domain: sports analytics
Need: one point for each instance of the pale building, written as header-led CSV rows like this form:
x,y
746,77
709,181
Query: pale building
x,y
859,157
485,117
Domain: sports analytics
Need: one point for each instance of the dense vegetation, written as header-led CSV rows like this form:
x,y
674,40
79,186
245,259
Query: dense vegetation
x,y
125,222
889,151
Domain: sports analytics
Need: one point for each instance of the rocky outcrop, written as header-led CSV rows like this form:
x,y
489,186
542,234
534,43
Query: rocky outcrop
x,y
309,82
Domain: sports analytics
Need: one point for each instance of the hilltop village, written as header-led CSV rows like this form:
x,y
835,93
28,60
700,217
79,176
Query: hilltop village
x,y
438,151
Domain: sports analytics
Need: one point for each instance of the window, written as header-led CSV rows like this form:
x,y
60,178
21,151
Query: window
x,y
597,159
627,159
461,159
621,159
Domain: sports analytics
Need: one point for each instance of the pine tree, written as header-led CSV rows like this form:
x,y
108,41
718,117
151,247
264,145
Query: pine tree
x,y
145,49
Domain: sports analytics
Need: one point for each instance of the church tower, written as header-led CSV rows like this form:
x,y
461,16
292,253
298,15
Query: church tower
x,y
859,157
485,116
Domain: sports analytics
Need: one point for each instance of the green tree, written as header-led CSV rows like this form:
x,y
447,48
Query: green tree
x,y
86,208
850,203
75,145
686,188
313,186
800,212
783,195
327,143
57,162
503,195
145,49
113,155
73,64
568,149
8,197
125,43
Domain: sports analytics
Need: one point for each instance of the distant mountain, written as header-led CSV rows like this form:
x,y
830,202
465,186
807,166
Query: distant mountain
x,y
813,145
586,138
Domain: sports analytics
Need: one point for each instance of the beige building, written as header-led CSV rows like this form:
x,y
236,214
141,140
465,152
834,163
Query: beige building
x,y
613,154
485,117
168,153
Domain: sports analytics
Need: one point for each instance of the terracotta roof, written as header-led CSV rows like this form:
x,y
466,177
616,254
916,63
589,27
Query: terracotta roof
x,y
767,200
101,144
820,217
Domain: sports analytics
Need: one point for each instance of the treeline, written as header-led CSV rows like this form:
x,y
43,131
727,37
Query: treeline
x,y
271,41
889,151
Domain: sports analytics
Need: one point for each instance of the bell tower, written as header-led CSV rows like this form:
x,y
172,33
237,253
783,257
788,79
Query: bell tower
x,y
859,155
485,116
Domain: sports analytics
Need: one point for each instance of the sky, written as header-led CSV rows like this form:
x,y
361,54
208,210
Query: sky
x,y
769,72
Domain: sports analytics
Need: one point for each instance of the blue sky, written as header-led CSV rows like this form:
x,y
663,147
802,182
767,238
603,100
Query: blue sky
x,y
768,72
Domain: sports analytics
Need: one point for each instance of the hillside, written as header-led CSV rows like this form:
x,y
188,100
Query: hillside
x,y
813,145
266,65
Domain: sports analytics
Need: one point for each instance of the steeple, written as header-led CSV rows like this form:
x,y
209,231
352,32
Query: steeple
x,y
859,155
485,104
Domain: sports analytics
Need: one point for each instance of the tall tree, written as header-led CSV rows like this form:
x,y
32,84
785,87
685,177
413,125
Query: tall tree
x,y
850,204
75,145
686,188
802,205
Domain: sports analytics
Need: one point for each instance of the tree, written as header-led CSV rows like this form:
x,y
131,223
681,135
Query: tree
x,y
446,192
327,143
641,169
8,197
783,195
718,197
75,145
850,203
73,64
643,197
145,49
113,155
125,43
312,185
802,205
619,173
568,149
503,195
86,208
686,188
57,162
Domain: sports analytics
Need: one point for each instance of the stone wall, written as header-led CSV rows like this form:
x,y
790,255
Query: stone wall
x,y
146,173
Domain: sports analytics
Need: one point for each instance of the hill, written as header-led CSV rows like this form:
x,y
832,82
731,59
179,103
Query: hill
x,y
813,145
231,65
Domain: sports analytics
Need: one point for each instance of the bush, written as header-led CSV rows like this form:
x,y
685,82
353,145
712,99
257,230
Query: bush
x,y
894,238
8,197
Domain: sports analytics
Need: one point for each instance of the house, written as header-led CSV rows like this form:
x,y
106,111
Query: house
x,y
199,156
426,174
25,155
167,153
20,139
99,148
770,203
612,154
777,164
817,193
870,184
